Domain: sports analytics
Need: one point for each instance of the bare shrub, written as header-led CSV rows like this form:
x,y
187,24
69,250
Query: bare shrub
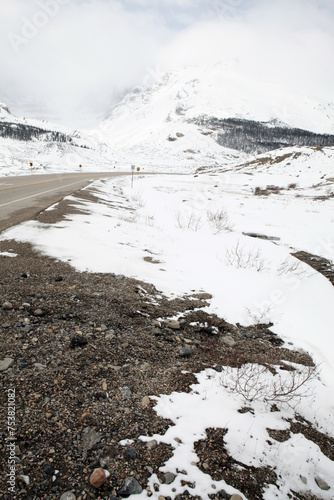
x,y
261,315
293,185
291,265
258,383
240,258
150,220
189,221
219,221
138,200
131,218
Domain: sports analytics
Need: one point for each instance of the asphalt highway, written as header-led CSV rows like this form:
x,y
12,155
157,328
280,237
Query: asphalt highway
x,y
22,197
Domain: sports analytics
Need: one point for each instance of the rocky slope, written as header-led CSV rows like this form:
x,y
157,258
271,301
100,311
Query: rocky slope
x,y
82,353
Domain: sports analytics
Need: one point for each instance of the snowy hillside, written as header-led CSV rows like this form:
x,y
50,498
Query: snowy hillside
x,y
49,147
300,167
185,115
7,117
56,149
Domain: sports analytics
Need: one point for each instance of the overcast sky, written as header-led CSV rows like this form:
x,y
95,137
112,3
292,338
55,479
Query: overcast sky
x,y
68,60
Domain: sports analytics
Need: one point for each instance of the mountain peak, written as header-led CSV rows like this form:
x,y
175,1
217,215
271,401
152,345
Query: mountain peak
x,y
4,109
208,114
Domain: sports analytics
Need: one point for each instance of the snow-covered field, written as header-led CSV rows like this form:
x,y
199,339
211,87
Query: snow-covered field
x,y
186,234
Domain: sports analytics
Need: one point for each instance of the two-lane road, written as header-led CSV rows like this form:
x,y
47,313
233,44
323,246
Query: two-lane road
x,y
22,197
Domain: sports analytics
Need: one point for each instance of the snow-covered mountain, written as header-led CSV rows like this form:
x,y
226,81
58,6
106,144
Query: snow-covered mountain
x,y
195,117
49,147
213,115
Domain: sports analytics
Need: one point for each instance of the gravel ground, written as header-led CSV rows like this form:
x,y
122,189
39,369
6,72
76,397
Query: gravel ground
x,y
85,351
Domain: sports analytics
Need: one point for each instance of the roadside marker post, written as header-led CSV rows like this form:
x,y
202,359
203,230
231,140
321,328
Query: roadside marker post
x,y
132,169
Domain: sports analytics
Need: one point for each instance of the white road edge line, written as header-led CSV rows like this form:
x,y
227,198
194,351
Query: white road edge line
x,y
39,194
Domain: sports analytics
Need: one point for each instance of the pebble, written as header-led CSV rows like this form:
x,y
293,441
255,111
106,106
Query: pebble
x,y
5,364
98,478
185,352
169,477
24,479
89,438
229,341
145,402
145,367
322,484
172,324
7,305
68,495
131,453
236,497
49,470
126,393
38,312
130,487
39,366
78,341
151,445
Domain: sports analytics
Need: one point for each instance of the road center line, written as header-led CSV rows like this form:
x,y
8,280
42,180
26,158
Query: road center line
x,y
40,194
13,186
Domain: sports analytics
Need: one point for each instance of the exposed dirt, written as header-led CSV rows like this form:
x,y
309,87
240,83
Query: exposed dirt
x,y
87,350
320,264
213,454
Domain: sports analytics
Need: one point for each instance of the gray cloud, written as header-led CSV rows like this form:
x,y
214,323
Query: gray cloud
x,y
68,59
287,43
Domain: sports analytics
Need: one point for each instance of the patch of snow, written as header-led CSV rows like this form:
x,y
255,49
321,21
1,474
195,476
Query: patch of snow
x,y
8,254
211,405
